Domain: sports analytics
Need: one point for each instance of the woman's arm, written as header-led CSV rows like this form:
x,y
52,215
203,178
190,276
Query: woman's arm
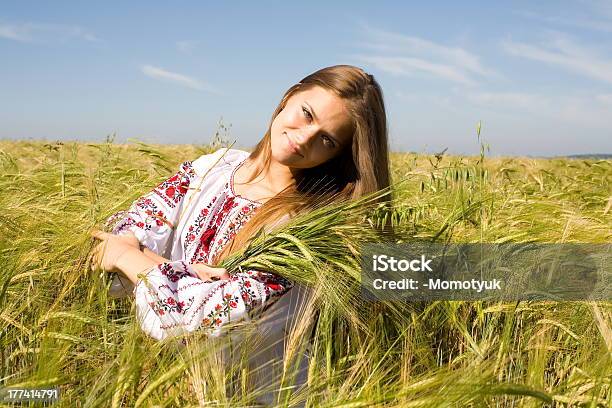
x,y
123,254
175,297
153,216
172,300
134,262
152,255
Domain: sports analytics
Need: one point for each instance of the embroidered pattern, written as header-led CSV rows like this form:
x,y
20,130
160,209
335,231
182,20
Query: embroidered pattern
x,y
174,189
178,298
170,304
149,214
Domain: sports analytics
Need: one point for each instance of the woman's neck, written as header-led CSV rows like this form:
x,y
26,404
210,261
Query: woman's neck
x,y
278,176
274,179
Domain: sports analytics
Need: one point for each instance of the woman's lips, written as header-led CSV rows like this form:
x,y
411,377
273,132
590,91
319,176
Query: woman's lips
x,y
292,146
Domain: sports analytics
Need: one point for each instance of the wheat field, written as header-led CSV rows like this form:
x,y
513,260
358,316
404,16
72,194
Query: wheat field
x,y
59,327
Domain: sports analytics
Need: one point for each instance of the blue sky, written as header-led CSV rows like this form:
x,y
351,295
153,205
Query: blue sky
x,y
537,74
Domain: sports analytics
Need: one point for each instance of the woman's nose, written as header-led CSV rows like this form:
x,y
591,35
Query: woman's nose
x,y
306,135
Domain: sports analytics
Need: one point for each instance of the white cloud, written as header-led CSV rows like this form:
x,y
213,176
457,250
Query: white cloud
x,y
407,55
410,66
526,101
44,33
415,45
183,80
594,15
11,33
601,8
186,47
595,24
438,101
561,51
605,99
586,111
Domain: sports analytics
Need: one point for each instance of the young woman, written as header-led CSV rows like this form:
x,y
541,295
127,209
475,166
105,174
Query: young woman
x,y
327,138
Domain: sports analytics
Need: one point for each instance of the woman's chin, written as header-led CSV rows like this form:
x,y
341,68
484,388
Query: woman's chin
x,y
285,157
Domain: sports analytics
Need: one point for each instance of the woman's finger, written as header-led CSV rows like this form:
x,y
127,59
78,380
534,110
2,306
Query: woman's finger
x,y
219,273
95,251
94,260
99,234
201,272
96,256
208,273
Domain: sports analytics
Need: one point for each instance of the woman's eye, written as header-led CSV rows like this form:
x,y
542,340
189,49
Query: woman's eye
x,y
306,113
328,142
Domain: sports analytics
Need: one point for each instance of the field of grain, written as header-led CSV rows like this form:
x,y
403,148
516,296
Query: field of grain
x,y
59,327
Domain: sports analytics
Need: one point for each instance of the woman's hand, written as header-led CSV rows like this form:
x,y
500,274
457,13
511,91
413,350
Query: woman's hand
x,y
107,252
209,273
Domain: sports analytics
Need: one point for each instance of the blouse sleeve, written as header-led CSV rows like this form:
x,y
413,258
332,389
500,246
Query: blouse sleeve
x,y
153,216
172,300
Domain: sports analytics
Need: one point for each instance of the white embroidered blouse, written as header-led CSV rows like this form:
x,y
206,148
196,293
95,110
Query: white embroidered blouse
x,y
199,200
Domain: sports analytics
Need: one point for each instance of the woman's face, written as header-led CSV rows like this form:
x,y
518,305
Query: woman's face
x,y
313,127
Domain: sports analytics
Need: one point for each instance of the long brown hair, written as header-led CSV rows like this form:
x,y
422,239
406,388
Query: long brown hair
x,y
362,167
